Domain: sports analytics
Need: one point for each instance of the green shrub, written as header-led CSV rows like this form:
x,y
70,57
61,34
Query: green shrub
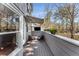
x,y
53,31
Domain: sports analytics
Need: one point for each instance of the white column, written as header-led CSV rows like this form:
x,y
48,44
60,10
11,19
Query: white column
x,y
22,31
19,35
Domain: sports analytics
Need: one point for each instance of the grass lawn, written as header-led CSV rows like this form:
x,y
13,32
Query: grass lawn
x,y
76,37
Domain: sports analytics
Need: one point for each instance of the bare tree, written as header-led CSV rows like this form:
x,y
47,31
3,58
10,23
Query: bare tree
x,y
70,12
60,15
48,15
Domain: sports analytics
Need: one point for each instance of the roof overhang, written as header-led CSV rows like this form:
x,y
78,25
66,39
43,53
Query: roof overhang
x,y
31,19
14,8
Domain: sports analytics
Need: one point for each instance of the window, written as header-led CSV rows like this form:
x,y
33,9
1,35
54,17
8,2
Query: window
x,y
9,26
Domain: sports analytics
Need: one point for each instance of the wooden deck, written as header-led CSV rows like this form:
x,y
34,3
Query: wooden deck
x,y
40,48
59,45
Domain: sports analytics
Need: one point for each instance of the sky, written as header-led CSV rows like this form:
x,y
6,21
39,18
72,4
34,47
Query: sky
x,y
39,9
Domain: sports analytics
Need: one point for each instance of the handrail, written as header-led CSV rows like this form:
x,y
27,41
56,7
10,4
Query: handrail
x,y
13,8
75,42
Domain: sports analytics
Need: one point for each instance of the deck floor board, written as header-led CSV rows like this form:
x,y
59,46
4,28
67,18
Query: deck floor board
x,y
42,50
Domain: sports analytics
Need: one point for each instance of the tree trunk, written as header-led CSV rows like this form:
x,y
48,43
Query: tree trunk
x,y
72,29
62,25
66,26
72,20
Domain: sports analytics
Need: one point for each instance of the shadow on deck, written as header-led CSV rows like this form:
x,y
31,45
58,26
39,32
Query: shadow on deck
x,y
43,49
40,48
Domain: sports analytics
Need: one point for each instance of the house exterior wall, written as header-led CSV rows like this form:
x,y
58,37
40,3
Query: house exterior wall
x,y
32,25
22,33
